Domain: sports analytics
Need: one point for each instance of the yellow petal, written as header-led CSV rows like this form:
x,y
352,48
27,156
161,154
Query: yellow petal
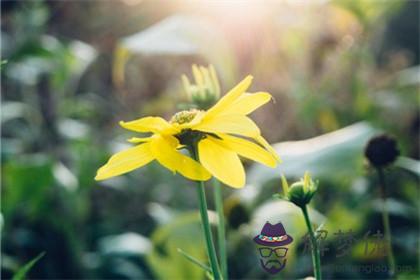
x,y
150,124
233,124
248,149
164,149
267,146
125,161
223,163
229,98
247,103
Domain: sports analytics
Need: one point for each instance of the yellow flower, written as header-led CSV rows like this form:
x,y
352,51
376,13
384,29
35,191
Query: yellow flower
x,y
217,135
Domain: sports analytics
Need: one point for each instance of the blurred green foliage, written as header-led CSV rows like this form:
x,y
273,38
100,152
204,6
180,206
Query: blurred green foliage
x,y
344,70
22,272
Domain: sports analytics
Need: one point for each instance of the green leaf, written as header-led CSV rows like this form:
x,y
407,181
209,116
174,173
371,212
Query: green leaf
x,y
27,182
13,109
193,260
3,62
21,273
320,227
177,35
409,76
183,231
278,196
126,244
409,164
333,155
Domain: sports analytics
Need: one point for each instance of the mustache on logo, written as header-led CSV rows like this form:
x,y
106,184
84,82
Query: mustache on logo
x,y
273,263
273,266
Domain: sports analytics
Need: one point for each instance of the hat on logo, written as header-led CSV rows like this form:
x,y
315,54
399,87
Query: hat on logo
x,y
273,236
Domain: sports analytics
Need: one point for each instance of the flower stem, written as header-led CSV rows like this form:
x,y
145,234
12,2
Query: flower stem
x,y
385,220
316,260
218,198
211,252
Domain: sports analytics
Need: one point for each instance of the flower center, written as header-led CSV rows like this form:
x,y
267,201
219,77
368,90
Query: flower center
x,y
184,116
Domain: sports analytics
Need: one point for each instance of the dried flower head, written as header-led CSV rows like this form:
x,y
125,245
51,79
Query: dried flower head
x,y
381,150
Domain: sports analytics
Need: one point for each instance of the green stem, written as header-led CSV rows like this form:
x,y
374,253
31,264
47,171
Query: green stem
x,y
211,251
221,239
385,220
316,260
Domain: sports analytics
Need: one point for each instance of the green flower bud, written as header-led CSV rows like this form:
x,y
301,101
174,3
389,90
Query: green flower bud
x,y
205,92
301,192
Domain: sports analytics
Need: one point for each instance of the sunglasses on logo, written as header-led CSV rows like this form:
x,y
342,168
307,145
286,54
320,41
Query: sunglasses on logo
x,y
267,252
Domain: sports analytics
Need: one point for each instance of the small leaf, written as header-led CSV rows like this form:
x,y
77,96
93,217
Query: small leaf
x,y
209,275
318,229
278,196
21,273
165,260
193,260
284,184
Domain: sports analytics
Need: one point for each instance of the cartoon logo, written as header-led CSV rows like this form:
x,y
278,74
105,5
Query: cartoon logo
x,y
272,246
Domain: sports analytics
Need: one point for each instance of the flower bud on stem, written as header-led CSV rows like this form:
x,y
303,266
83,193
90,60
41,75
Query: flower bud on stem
x,y
300,193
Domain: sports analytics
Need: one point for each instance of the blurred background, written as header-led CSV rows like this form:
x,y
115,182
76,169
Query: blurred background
x,y
339,71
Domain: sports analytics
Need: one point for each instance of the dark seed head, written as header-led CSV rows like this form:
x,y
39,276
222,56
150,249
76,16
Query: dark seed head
x,y
382,150
236,213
